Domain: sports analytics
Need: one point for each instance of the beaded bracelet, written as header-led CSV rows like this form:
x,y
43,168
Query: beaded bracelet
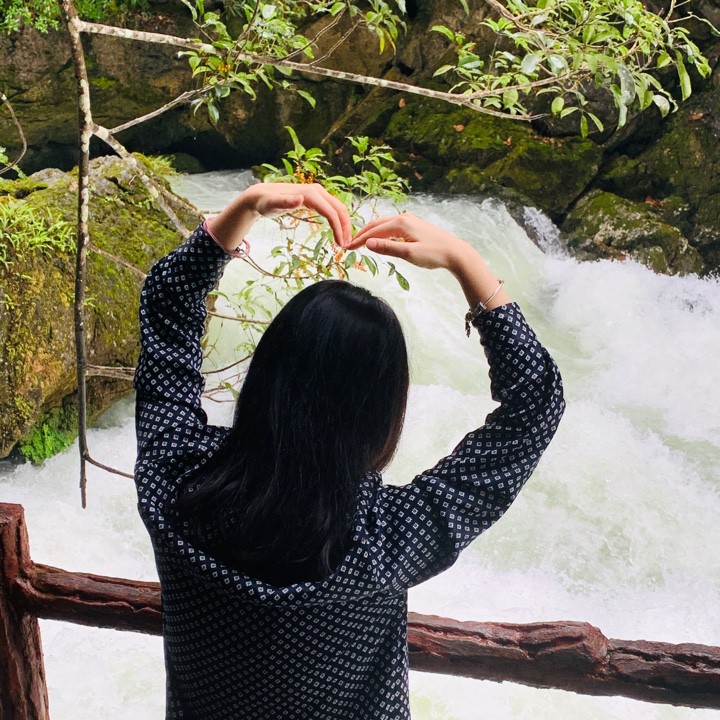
x,y
481,307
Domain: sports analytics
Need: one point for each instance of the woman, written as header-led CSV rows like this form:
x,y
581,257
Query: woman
x,y
284,561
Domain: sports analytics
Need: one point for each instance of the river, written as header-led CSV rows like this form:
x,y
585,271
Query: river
x,y
618,526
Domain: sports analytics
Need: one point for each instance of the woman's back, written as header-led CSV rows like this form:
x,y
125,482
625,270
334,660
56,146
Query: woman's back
x,y
238,647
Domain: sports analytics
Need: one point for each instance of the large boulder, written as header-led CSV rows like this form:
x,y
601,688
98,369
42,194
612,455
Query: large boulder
x,y
679,173
37,351
603,225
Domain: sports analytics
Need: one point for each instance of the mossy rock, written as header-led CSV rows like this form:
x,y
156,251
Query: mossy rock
x,y
603,225
37,352
460,150
680,173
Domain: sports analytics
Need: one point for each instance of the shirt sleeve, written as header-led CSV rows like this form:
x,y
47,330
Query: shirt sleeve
x,y
422,527
172,322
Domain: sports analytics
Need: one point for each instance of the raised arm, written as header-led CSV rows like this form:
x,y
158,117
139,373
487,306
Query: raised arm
x,y
422,527
172,306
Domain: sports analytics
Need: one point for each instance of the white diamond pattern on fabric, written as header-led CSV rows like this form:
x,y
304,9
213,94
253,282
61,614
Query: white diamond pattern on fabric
x,y
238,648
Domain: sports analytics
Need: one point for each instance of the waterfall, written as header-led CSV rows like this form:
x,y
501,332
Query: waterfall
x,y
618,525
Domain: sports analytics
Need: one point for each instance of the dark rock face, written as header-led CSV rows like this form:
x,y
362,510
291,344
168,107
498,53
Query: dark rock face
x,y
679,174
37,356
129,79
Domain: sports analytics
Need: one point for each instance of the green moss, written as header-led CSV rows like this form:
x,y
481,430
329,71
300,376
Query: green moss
x,y
37,356
53,434
103,83
603,225
20,188
466,151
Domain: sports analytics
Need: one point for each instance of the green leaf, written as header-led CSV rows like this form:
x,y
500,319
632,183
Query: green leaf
x,y
558,64
213,113
557,105
402,281
622,115
583,126
370,264
307,96
443,69
662,104
529,63
510,98
627,86
685,84
663,60
446,31
596,121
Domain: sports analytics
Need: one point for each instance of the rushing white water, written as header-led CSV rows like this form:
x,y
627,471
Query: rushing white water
x,y
618,525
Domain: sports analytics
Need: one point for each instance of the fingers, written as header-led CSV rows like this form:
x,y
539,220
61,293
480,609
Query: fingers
x,y
275,205
393,248
345,222
320,200
278,198
383,227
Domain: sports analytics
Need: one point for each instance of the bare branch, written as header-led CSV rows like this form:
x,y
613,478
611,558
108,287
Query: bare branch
x,y
108,468
118,373
183,99
238,318
335,46
18,127
119,260
156,192
319,34
453,98
227,367
83,234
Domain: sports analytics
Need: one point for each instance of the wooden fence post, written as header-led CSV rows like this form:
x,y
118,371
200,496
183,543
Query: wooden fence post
x,y
23,692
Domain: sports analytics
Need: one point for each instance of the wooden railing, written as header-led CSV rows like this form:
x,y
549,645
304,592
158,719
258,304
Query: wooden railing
x,y
566,655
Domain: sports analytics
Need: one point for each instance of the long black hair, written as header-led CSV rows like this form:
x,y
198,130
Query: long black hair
x,y
322,404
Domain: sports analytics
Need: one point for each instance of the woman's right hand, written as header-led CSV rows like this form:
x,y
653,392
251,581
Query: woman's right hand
x,y
427,246
417,241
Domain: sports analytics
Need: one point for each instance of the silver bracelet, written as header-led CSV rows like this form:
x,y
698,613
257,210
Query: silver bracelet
x,y
481,307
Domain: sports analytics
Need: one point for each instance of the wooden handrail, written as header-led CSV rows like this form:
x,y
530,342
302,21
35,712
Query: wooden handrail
x,y
570,656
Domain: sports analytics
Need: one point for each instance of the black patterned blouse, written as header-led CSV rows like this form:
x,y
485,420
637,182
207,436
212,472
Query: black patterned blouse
x,y
236,647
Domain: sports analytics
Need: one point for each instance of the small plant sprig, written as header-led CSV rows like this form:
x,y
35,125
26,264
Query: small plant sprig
x,y
271,31
317,256
307,251
26,230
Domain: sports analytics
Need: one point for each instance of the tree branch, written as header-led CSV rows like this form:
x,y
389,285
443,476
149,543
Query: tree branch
x,y
118,373
238,318
108,468
116,259
83,235
156,193
183,99
18,127
453,98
